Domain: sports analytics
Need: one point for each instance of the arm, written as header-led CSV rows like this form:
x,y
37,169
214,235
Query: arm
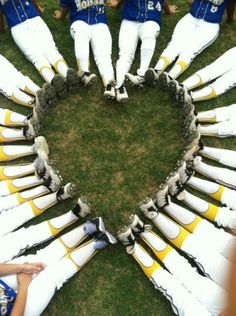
x,y
37,6
61,14
169,9
7,269
23,281
1,22
230,8
114,3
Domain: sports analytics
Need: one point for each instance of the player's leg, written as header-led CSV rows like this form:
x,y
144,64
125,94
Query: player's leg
x,y
81,33
216,115
224,156
101,43
11,152
221,129
18,241
127,49
11,119
169,286
207,292
148,32
26,84
203,36
21,214
55,275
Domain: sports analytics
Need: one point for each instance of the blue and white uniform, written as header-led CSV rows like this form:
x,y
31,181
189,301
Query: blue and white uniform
x,y
33,37
141,19
89,25
193,33
7,299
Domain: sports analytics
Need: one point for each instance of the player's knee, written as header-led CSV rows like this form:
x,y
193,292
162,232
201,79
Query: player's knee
x,y
148,42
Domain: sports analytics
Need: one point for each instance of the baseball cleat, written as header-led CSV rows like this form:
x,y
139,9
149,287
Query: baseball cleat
x,y
165,80
174,184
82,207
110,91
95,226
104,239
173,87
190,126
189,109
195,139
121,94
183,95
189,154
86,78
60,86
39,165
148,208
126,237
32,130
41,101
135,80
72,80
184,173
50,94
53,180
66,192
162,196
151,77
41,147
137,226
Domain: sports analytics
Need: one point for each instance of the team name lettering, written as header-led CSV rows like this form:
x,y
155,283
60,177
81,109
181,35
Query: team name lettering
x,y
84,4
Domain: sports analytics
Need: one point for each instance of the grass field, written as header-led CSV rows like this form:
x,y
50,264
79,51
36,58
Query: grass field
x,y
116,155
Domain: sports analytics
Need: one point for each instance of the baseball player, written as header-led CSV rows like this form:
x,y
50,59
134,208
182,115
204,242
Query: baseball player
x,y
142,21
89,26
193,33
58,263
35,40
212,263
207,292
223,68
182,301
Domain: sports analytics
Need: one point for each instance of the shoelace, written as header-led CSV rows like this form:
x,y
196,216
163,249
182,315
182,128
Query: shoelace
x,y
109,86
122,89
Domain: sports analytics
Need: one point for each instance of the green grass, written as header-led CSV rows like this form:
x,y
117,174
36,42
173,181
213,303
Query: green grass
x,y
116,155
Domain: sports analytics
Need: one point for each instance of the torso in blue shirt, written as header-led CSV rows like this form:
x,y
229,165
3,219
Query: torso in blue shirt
x,y
89,11
203,9
142,10
17,11
7,299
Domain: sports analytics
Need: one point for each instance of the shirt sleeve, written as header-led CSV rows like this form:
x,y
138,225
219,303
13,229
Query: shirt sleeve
x,y
65,3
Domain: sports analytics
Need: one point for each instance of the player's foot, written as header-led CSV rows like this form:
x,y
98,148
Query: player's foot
x,y
121,94
82,207
137,226
126,237
41,101
148,207
39,165
94,226
195,139
184,172
174,184
183,95
53,180
162,196
41,147
72,80
31,131
50,94
110,91
151,77
173,87
189,154
66,192
189,109
165,79
86,78
60,86
104,239
190,126
135,79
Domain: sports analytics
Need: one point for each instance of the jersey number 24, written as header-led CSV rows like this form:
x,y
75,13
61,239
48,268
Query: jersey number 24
x,y
152,6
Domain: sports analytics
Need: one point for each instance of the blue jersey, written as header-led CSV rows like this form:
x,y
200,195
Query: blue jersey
x,y
89,11
142,10
7,299
17,11
203,9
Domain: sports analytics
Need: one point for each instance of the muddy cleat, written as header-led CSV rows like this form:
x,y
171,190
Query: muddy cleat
x,y
162,196
165,80
126,236
189,109
148,208
137,226
82,207
41,101
72,80
190,126
104,239
87,78
183,95
121,94
110,90
95,226
151,77
66,192
53,181
195,139
173,87
41,147
39,165
135,80
60,86
32,130
184,173
174,184
50,94
189,155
